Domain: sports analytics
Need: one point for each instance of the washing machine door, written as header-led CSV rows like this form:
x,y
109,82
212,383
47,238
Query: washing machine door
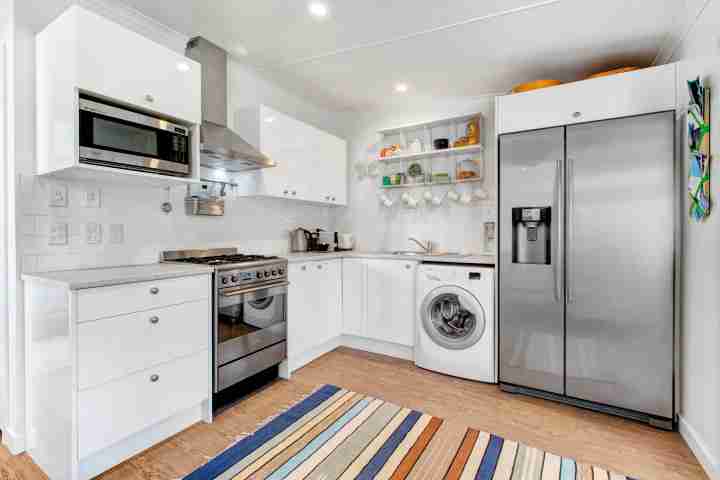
x,y
452,317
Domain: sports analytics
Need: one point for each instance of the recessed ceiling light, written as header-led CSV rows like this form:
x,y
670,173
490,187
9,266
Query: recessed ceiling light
x,y
183,67
317,9
401,87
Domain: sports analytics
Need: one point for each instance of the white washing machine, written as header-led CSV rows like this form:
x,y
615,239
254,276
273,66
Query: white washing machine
x,y
455,321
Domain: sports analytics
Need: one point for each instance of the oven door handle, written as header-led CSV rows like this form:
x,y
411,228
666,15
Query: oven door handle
x,y
274,289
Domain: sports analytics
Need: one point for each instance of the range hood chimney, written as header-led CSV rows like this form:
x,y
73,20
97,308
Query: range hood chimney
x,y
220,147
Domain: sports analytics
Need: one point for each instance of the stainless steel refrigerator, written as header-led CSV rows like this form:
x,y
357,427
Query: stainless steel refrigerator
x,y
586,265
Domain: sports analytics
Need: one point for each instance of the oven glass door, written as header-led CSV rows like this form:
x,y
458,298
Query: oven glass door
x,y
249,320
114,136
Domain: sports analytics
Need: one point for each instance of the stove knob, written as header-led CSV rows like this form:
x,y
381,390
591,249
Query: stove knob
x,y
258,274
267,274
224,280
234,279
280,271
274,272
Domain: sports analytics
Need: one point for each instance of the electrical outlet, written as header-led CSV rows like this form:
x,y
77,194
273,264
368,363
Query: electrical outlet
x,y
58,233
58,195
91,197
93,233
117,233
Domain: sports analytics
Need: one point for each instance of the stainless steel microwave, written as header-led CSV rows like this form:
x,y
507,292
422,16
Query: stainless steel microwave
x,y
115,136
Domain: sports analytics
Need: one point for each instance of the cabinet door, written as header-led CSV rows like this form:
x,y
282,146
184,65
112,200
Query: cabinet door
x,y
302,325
354,296
391,301
109,64
635,93
330,296
335,163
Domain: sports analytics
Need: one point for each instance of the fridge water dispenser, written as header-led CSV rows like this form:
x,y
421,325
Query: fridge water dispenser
x,y
531,235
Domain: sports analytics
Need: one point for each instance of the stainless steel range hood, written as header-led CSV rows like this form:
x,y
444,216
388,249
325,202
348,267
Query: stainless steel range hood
x,y
220,147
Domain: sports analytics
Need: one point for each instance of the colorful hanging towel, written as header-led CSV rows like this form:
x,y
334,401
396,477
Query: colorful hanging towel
x,y
699,145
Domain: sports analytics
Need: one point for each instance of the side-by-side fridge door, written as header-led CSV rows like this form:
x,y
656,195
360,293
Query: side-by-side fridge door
x,y
530,258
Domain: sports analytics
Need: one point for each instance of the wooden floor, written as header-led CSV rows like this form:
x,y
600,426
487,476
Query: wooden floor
x,y
620,445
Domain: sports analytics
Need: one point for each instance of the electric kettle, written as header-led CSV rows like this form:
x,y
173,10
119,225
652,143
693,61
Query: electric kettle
x,y
299,240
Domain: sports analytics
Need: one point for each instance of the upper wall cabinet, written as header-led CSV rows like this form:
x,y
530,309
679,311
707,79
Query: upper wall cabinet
x,y
311,163
81,51
634,93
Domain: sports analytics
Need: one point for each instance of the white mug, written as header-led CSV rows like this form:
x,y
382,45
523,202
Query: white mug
x,y
437,200
453,196
465,198
428,196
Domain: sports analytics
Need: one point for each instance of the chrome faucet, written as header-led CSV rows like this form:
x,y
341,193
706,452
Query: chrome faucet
x,y
427,247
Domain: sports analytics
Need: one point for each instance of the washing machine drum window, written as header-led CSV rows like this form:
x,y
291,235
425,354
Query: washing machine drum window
x,y
453,318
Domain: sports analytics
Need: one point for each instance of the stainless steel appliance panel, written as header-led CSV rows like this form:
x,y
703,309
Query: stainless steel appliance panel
x,y
246,367
531,298
620,223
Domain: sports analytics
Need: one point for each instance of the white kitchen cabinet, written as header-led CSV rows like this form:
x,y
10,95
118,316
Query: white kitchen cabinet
x,y
114,369
81,51
354,295
390,301
379,300
314,308
311,163
634,93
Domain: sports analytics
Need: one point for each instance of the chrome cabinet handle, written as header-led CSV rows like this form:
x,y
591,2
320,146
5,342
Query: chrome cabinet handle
x,y
408,266
569,236
154,378
285,192
558,217
319,267
333,199
577,114
294,192
303,268
154,290
154,320
149,98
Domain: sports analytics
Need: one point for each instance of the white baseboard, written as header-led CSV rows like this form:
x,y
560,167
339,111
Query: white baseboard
x,y
710,463
13,442
377,346
298,361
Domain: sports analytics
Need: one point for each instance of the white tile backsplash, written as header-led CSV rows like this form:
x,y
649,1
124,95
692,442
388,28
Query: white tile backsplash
x,y
256,225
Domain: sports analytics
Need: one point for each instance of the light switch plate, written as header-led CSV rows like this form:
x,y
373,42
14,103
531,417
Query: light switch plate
x,y
58,195
117,233
91,197
58,233
93,233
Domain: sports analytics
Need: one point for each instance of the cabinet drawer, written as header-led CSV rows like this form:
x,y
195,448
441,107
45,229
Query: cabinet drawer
x,y
113,347
114,411
117,300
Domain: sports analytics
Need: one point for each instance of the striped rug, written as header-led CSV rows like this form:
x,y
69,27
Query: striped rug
x,y
336,434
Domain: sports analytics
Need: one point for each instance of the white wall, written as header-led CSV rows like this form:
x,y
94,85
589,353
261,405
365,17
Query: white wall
x,y
451,227
258,225
700,330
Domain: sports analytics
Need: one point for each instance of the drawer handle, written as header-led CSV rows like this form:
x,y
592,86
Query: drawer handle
x,y
154,378
154,320
149,98
333,199
577,114
319,267
154,290
408,266
303,268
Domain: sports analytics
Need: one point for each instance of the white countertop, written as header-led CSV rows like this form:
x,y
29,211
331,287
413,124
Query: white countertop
x,y
466,259
104,277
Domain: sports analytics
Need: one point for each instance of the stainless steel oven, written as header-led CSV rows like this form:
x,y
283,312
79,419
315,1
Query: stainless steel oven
x,y
251,331
116,136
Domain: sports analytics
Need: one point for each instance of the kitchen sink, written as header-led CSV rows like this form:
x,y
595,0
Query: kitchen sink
x,y
434,254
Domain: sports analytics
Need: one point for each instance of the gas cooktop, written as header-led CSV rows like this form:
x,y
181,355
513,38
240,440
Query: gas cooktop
x,y
218,257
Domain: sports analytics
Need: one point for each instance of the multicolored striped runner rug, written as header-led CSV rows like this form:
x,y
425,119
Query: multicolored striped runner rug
x,y
335,434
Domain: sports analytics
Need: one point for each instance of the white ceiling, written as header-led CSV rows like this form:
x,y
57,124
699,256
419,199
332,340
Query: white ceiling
x,y
453,48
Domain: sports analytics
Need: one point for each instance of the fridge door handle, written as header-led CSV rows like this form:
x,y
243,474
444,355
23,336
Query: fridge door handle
x,y
558,218
569,237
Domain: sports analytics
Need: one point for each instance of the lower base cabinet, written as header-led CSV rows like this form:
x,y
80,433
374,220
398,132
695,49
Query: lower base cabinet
x,y
314,307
